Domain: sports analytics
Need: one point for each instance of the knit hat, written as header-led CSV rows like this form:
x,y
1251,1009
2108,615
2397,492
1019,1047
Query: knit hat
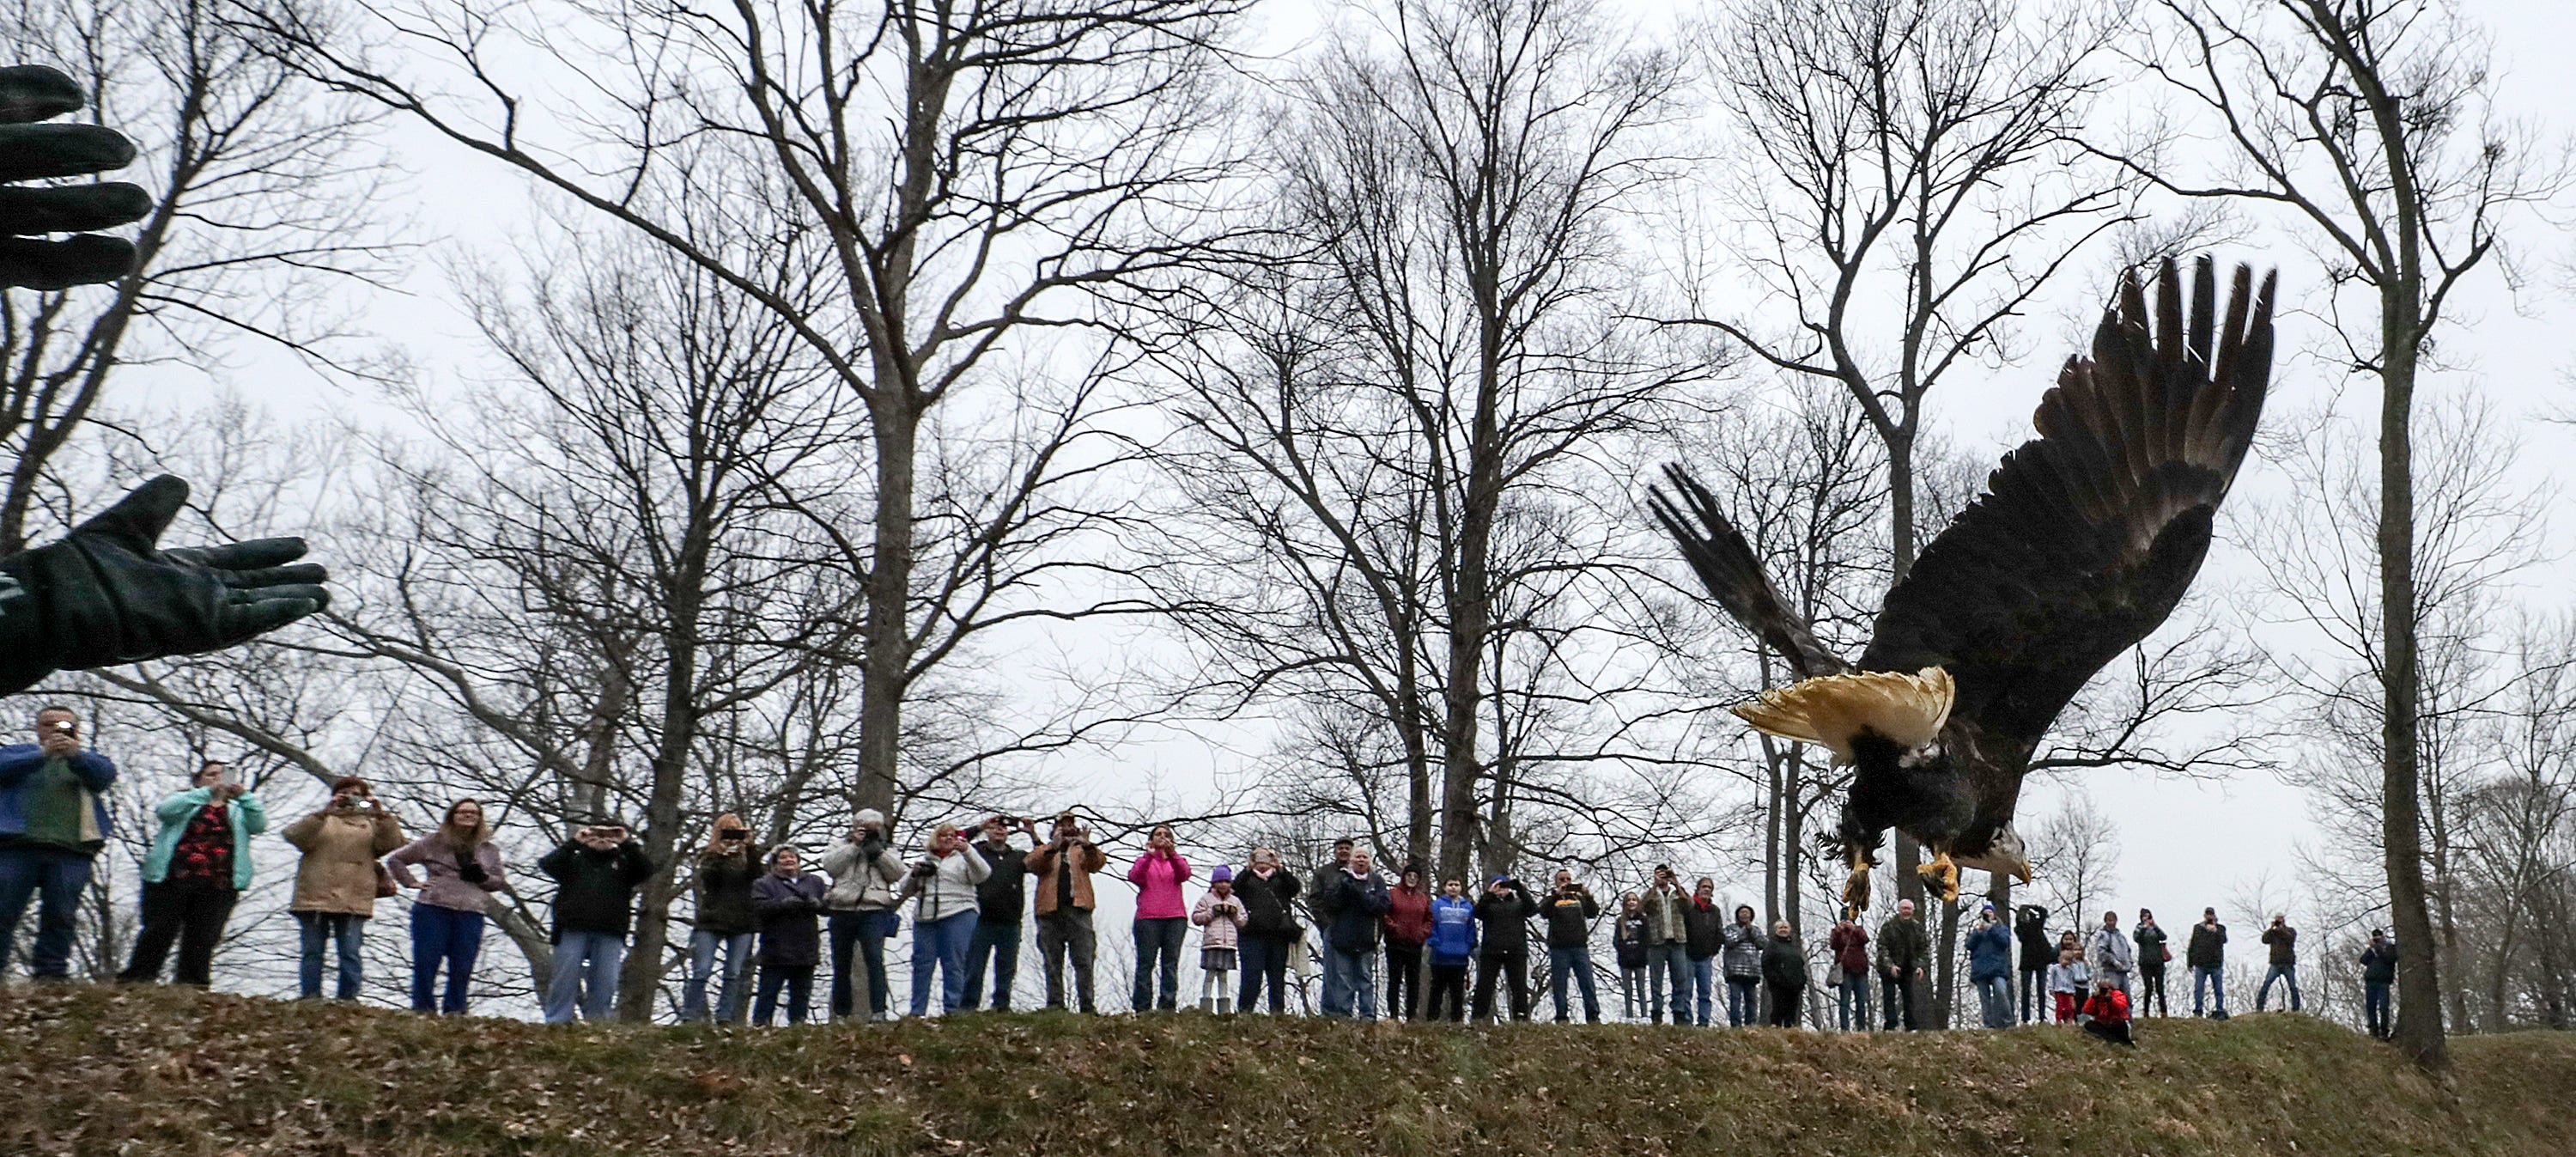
x,y
871,818
1497,879
1224,874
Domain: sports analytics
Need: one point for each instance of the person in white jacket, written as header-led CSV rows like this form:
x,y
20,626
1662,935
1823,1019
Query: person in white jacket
x,y
861,907
942,886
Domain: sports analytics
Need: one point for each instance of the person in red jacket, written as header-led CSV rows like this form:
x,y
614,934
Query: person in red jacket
x,y
1849,944
2108,1013
1407,924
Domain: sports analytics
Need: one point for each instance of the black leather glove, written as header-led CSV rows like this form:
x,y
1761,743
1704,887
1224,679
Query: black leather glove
x,y
106,595
29,152
470,869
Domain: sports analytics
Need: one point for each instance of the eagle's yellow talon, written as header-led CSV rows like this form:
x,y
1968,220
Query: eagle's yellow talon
x,y
1943,874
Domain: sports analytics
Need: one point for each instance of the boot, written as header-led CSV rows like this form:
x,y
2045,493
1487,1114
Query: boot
x,y
1208,1004
1225,1006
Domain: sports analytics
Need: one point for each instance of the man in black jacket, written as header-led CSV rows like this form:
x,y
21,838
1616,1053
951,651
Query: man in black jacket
x,y
2207,956
2030,928
1358,900
1701,922
2378,971
596,873
1570,910
1503,912
999,901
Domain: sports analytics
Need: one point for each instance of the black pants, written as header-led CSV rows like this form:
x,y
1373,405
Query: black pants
x,y
1449,981
1403,994
2151,992
1784,1003
1899,998
799,983
1516,967
1264,958
2034,995
2114,1031
191,912
2374,1007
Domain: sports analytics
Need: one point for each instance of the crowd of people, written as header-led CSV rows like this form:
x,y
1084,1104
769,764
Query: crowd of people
x,y
762,921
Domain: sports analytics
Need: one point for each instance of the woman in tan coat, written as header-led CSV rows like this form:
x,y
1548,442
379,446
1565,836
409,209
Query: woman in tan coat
x,y
335,885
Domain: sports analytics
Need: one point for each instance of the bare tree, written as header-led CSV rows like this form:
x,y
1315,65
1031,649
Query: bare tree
x,y
262,188
2370,126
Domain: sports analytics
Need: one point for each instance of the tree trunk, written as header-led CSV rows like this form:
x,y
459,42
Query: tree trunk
x,y
2419,988
884,673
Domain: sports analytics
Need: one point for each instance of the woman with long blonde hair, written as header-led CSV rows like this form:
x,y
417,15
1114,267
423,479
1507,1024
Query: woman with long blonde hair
x,y
943,921
464,868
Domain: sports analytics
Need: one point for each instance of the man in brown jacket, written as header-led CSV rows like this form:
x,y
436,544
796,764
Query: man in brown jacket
x,y
1061,873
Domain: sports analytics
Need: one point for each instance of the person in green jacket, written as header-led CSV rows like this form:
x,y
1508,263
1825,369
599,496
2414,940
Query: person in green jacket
x,y
197,867
1904,951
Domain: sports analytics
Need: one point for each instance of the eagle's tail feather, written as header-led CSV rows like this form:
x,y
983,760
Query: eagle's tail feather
x,y
1906,709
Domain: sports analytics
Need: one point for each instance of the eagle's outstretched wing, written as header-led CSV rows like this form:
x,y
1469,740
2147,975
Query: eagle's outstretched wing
x,y
1727,565
2087,536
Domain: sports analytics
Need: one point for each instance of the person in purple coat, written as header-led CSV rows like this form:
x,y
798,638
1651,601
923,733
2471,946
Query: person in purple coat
x,y
788,901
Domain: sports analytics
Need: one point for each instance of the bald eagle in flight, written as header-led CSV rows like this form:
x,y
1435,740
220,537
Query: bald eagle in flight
x,y
2081,545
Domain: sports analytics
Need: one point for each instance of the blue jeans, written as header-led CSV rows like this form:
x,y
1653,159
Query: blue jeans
x,y
1000,943
54,881
2288,972
1994,997
1577,964
1703,978
2207,980
703,947
1852,1007
1670,960
443,936
1350,983
800,994
586,965
1159,937
1743,1001
1265,960
941,944
320,929
2374,1007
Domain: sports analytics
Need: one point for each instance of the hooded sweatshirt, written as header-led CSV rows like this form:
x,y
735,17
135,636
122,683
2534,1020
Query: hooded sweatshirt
x,y
1569,918
1453,929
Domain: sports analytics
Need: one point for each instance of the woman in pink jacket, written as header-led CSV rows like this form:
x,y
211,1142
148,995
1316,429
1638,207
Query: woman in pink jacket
x,y
1162,920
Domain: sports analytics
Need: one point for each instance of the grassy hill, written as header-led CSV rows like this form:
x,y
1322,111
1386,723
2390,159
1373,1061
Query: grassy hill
x,y
92,1070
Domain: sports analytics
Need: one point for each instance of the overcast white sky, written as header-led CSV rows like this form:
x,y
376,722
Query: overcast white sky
x,y
2182,844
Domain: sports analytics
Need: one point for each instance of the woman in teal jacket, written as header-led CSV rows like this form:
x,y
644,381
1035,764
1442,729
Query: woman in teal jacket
x,y
199,863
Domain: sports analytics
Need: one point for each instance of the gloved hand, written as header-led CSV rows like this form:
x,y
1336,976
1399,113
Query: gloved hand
x,y
105,595
33,92
470,869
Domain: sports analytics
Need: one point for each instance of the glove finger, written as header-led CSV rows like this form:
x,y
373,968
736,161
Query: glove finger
x,y
85,259
71,208
32,152
34,92
265,578
313,593
249,620
247,555
137,520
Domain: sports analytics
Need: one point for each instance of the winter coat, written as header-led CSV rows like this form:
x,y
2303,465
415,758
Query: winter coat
x,y
1665,908
1408,918
594,889
1628,941
1903,945
723,889
338,872
1506,920
246,817
1357,903
1784,962
787,907
1044,865
2282,940
2151,947
441,863
2108,1007
1741,951
863,878
1702,926
1569,918
2379,963
2108,950
948,888
2208,947
19,763
1990,953
2072,978
1158,881
1453,930
1003,897
1221,918
1850,946
1269,903
2038,948
1319,893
